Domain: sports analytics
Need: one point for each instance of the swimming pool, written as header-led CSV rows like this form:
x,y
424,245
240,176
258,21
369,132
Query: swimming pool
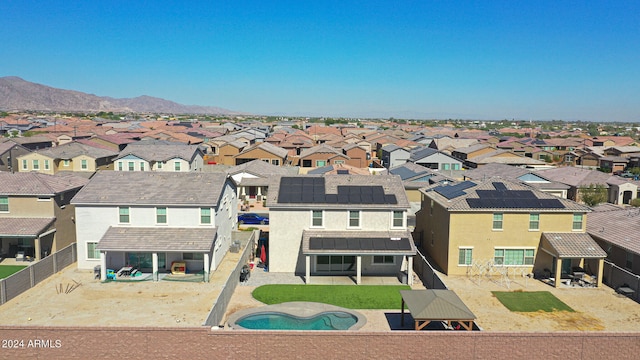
x,y
297,316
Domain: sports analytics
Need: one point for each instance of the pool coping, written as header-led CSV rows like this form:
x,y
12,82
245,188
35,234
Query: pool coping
x,y
302,309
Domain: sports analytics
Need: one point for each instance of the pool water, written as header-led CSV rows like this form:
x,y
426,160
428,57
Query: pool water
x,y
333,320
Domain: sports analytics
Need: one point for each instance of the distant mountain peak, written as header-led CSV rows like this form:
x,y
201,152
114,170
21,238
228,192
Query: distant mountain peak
x,y
19,94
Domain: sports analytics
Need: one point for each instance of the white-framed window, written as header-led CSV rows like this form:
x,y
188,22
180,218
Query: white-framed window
x,y
92,252
161,215
497,221
354,219
65,163
131,165
338,162
142,166
534,221
36,165
46,164
42,198
465,256
205,215
265,160
176,165
445,166
321,163
383,260
4,204
119,165
317,218
192,256
577,221
24,165
398,218
275,162
123,215
160,164
83,164
513,257
456,166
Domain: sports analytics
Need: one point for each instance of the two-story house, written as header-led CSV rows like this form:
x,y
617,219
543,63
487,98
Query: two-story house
x,y
350,225
147,220
73,156
505,225
174,157
35,216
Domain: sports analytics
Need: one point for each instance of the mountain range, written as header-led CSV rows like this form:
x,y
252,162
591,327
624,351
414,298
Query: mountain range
x,y
19,94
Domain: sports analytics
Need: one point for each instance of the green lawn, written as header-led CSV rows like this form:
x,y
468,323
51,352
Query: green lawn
x,y
8,270
531,301
346,296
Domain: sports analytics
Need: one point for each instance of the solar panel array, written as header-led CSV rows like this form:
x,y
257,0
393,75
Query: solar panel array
x,y
311,190
380,244
453,191
502,198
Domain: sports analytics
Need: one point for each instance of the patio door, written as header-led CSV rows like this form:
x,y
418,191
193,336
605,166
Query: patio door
x,y
336,264
144,261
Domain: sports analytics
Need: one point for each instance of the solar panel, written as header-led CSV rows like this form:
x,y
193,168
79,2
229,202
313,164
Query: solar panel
x,y
499,186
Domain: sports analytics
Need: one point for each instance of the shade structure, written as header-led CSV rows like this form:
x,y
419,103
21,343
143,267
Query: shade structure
x,y
436,305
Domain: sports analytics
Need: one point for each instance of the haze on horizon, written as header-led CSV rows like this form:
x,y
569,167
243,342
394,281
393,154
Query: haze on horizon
x,y
409,59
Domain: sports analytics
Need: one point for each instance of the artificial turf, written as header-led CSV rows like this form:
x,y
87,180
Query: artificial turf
x,y
346,296
531,301
8,270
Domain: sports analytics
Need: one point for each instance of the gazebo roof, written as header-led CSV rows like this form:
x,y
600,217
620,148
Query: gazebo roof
x,y
436,305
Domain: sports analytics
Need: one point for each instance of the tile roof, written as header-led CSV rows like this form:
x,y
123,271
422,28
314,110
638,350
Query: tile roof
x,y
276,150
75,149
160,152
157,239
152,188
33,183
27,227
620,227
323,148
259,168
575,176
574,245
459,202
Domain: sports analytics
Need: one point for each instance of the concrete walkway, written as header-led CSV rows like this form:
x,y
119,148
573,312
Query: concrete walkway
x,y
260,277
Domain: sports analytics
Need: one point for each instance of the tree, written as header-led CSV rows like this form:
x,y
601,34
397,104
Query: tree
x,y
593,194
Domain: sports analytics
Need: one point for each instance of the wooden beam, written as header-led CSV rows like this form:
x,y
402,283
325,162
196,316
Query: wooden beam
x,y
421,326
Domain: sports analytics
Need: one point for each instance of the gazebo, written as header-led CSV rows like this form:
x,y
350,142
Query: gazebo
x,y
436,305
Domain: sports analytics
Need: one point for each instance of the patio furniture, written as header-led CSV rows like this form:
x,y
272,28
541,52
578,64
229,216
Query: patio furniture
x,y
111,274
125,271
625,290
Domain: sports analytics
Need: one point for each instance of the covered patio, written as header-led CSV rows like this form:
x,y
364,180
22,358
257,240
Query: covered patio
x,y
384,245
26,238
164,245
575,257
426,306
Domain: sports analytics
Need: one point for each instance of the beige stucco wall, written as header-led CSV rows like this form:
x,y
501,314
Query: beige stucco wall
x,y
29,207
259,154
41,162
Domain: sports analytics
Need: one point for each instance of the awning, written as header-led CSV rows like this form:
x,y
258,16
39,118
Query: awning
x,y
358,242
24,227
157,239
572,245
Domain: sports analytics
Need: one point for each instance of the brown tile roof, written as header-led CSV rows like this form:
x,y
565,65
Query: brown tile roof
x,y
158,239
620,227
574,245
33,183
27,227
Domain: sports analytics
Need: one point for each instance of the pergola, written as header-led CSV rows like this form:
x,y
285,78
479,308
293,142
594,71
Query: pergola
x,y
436,305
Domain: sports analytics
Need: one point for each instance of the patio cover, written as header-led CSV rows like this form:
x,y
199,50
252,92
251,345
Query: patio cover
x,y
358,242
24,227
572,245
157,239
442,305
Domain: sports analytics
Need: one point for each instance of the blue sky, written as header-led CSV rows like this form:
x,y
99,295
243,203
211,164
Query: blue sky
x,y
404,59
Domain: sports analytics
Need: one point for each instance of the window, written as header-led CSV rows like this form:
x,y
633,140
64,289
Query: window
x,y
24,164
338,162
160,164
65,163
124,215
177,165
119,165
354,218
161,215
92,252
446,166
321,163
192,256
131,166
384,260
316,218
513,256
398,219
275,162
36,165
4,204
456,166
629,260
205,215
83,164
577,221
46,164
534,221
497,221
141,166
465,256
